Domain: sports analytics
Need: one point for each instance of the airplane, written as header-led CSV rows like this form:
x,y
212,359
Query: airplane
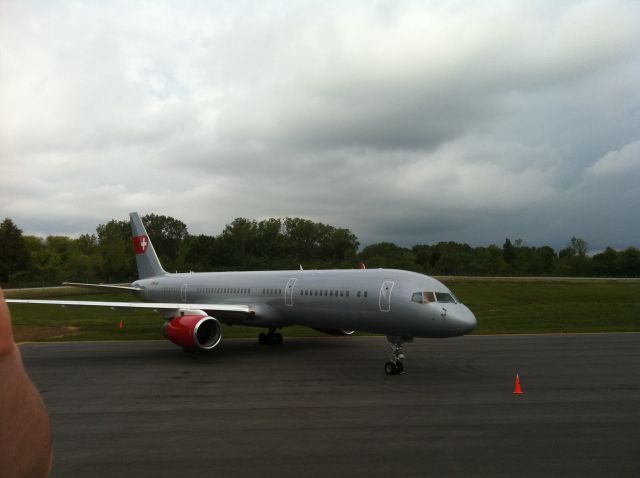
x,y
399,304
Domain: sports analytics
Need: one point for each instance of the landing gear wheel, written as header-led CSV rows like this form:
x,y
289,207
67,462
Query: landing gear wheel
x,y
270,338
395,366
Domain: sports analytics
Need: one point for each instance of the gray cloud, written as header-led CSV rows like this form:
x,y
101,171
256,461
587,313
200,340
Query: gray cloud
x,y
412,122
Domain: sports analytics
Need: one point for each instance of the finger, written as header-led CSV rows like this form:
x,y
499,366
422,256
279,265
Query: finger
x,y
6,335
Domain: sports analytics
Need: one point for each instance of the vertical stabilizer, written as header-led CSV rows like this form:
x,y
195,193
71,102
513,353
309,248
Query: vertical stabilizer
x,y
146,258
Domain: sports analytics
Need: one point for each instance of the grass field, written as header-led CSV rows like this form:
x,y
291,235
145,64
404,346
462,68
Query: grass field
x,y
551,306
502,306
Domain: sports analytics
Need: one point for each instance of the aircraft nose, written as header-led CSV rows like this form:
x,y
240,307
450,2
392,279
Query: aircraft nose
x,y
470,320
465,320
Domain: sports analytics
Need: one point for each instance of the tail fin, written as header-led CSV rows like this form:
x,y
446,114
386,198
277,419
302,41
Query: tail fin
x,y
146,258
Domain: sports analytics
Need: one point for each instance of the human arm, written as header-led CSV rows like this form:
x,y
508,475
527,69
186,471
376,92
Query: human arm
x,y
25,428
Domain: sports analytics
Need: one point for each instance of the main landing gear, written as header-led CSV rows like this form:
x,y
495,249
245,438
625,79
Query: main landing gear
x,y
394,366
271,338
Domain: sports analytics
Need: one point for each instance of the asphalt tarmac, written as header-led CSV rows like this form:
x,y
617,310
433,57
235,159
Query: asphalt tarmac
x,y
324,407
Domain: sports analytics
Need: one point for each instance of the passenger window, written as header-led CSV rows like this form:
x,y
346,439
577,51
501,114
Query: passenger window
x,y
365,294
359,294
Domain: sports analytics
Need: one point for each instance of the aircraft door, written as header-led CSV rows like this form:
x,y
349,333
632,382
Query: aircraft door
x,y
183,293
385,295
288,292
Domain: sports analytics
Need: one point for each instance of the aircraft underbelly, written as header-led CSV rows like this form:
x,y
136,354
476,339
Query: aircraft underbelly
x,y
321,317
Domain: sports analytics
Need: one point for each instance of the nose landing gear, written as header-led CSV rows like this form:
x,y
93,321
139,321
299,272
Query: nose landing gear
x,y
394,366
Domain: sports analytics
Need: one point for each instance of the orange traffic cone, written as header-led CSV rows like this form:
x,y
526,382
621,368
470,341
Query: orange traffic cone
x,y
518,389
121,324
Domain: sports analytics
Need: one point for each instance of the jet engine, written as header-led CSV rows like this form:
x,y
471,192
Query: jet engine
x,y
193,332
335,331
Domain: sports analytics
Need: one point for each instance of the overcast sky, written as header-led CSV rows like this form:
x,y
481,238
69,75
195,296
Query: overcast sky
x,y
410,122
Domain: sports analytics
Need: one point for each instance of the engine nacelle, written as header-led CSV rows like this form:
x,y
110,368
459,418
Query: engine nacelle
x,y
193,332
335,331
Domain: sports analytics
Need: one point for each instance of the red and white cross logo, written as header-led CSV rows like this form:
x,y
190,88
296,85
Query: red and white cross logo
x,y
140,244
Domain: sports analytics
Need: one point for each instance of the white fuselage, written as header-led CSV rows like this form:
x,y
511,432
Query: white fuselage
x,y
372,300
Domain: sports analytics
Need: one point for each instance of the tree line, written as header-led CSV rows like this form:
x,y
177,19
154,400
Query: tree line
x,y
245,244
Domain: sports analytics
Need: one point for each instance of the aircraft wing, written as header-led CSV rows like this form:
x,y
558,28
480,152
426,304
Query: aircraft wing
x,y
103,287
160,306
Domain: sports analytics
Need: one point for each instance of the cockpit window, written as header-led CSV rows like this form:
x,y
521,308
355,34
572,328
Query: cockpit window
x,y
423,297
445,297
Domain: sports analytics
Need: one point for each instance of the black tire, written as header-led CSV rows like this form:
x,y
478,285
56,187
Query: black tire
x,y
390,368
277,338
262,338
399,367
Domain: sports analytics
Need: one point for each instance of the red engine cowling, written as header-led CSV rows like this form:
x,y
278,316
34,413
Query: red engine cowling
x,y
193,332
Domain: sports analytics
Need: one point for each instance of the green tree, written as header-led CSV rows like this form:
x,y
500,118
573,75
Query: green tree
x,y
490,261
388,255
199,254
117,261
166,233
508,251
578,247
630,262
543,260
573,260
606,263
339,246
301,238
270,242
237,243
14,255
